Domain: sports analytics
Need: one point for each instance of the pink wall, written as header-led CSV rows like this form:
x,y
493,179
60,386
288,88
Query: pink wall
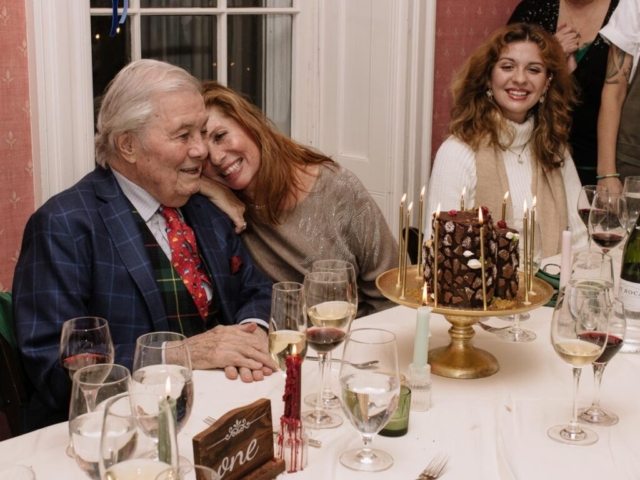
x,y
461,26
16,164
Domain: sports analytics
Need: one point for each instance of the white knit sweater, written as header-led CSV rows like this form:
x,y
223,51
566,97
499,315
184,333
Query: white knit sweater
x,y
455,168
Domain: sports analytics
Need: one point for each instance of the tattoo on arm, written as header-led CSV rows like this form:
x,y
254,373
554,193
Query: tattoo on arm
x,y
618,66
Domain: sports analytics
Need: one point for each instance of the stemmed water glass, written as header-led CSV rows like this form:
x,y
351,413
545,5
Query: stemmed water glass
x,y
330,310
369,397
92,387
287,323
162,366
578,336
138,438
517,333
608,220
593,270
595,415
329,399
85,341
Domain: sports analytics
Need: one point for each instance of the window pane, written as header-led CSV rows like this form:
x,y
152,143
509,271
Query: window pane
x,y
259,55
109,54
104,4
187,41
259,3
178,3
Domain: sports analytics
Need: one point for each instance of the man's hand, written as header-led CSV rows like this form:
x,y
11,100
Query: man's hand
x,y
223,198
242,348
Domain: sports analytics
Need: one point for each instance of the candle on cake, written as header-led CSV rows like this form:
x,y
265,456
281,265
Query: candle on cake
x,y
435,256
482,259
400,228
525,234
419,246
532,244
404,256
504,206
464,190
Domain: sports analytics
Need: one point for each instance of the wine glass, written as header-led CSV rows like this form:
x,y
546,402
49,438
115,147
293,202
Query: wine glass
x,y
287,323
329,399
92,387
585,199
162,365
631,191
330,310
85,341
189,472
608,220
595,415
138,438
369,397
578,340
516,333
593,270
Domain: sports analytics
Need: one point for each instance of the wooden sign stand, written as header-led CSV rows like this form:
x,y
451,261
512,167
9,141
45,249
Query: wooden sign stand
x,y
240,444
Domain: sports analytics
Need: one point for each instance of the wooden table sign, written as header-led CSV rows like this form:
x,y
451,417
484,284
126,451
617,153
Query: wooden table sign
x,y
240,444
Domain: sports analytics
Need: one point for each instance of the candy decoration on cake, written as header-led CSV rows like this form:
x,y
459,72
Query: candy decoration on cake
x,y
459,267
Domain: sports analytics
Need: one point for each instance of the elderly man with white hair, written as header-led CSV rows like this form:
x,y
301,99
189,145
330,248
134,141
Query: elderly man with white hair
x,y
133,242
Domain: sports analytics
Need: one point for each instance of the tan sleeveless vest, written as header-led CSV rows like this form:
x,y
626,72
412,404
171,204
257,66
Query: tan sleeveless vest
x,y
547,186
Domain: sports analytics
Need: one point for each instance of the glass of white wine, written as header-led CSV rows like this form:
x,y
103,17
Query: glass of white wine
x,y
369,397
330,309
138,438
329,399
92,387
579,340
287,323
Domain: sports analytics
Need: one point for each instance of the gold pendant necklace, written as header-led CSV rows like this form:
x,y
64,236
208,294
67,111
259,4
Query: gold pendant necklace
x,y
519,155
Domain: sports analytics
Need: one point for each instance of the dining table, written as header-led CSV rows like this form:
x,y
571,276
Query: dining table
x,y
492,428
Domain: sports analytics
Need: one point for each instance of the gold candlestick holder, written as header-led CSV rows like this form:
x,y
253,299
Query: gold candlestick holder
x,y
460,359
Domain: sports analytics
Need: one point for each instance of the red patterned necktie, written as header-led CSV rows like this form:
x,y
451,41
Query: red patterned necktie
x,y
185,258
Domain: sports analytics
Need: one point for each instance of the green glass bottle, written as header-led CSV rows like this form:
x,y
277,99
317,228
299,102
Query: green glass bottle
x,y
629,289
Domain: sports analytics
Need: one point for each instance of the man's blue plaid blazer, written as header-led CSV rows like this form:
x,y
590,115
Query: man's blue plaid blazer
x,y
83,254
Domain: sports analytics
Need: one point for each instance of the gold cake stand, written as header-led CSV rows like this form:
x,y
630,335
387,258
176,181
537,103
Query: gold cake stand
x,y
460,359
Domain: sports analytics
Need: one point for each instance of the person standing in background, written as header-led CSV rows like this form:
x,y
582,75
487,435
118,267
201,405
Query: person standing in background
x,y
618,131
575,24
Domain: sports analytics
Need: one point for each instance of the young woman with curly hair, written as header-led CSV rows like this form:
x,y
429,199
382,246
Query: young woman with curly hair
x,y
509,132
301,206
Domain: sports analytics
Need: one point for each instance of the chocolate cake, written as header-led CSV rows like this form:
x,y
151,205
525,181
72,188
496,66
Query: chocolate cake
x,y
459,267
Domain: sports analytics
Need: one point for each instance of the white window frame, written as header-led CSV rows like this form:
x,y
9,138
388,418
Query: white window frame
x,y
62,95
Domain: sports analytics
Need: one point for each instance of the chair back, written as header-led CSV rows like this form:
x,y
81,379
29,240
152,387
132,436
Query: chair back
x,y
12,392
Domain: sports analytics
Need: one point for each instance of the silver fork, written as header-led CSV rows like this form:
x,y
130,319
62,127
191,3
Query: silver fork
x,y
435,467
312,441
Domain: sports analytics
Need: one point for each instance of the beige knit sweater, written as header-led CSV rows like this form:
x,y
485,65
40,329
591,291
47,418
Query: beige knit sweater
x,y
338,220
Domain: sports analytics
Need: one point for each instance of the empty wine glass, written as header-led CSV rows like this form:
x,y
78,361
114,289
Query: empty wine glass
x,y
595,415
330,310
162,365
287,323
92,387
189,472
532,262
593,271
329,399
369,397
631,191
138,438
578,340
608,220
85,341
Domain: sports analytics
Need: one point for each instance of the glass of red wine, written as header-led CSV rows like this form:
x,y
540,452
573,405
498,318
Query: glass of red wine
x,y
573,331
585,199
331,307
329,399
84,341
595,415
608,220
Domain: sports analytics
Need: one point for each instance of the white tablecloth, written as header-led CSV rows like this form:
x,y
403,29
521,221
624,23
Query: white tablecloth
x,y
493,428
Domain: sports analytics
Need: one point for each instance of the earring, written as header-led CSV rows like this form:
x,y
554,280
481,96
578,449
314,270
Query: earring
x,y
542,98
489,93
